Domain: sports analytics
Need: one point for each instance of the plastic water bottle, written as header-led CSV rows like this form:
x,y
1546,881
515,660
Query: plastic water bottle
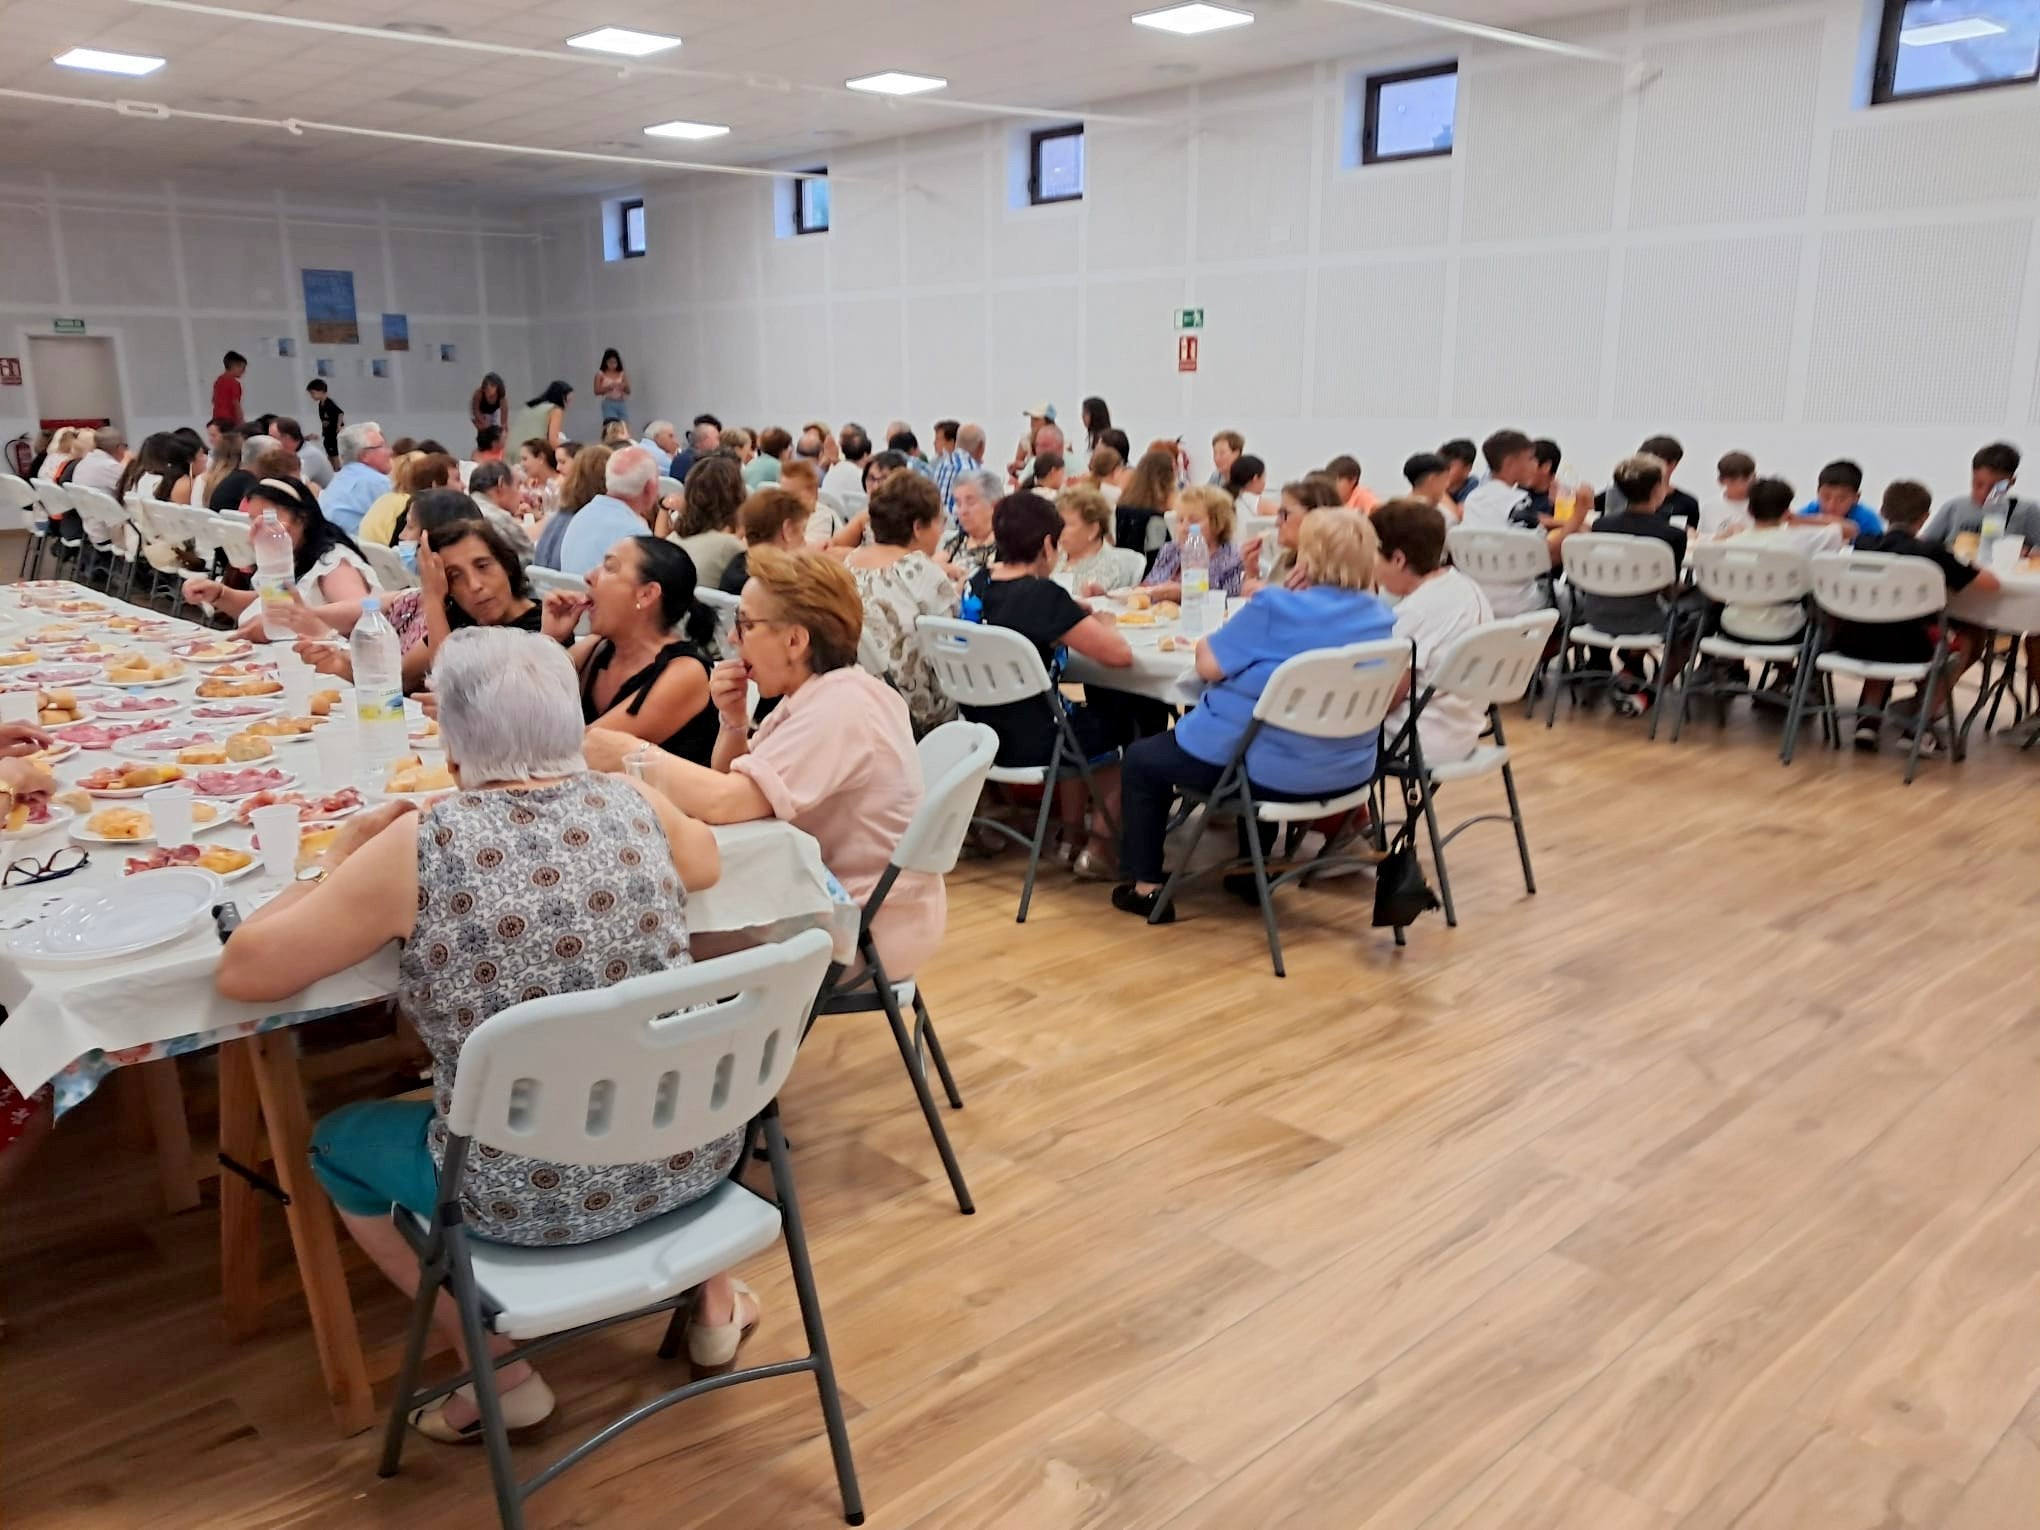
x,y
1195,579
275,573
378,686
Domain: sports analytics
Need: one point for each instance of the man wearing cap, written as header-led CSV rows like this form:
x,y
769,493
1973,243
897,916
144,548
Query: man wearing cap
x,y
1037,415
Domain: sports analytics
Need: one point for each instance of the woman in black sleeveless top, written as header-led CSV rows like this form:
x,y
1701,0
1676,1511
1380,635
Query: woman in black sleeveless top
x,y
645,669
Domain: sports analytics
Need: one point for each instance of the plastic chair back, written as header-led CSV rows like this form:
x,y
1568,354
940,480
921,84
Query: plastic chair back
x,y
390,572
955,759
1503,559
1878,587
1335,692
544,581
669,487
17,504
1750,576
644,1069
1495,662
725,607
1608,563
980,665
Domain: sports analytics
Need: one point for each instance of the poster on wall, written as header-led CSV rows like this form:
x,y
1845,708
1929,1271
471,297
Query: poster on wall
x,y
378,368
286,346
329,308
449,352
323,367
396,332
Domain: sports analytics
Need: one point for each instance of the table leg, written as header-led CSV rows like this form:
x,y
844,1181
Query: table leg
x,y
240,1212
163,1099
312,1232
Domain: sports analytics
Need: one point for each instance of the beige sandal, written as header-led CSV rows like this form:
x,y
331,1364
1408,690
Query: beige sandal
x,y
525,1406
714,1351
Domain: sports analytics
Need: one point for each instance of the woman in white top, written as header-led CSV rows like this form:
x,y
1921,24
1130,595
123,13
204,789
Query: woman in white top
x,y
1246,481
1088,563
1436,605
899,582
328,565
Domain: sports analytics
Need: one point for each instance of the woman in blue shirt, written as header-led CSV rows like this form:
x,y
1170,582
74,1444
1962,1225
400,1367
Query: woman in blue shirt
x,y
1335,554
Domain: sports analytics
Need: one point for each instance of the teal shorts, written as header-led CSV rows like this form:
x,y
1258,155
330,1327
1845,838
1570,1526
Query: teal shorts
x,y
372,1155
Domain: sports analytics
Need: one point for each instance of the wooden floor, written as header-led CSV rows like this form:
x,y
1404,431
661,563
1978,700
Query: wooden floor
x,y
1700,1190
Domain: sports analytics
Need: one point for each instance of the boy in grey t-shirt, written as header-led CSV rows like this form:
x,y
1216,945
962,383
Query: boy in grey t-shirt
x,y
1993,466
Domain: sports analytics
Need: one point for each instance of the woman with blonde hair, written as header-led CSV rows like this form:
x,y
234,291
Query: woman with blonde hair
x,y
835,759
582,481
408,475
1107,473
1087,561
1336,553
1211,512
1313,491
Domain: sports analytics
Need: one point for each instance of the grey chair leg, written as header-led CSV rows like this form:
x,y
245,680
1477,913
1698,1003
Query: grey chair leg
x,y
1253,831
1559,684
431,1279
1430,812
1168,892
1522,838
495,1434
811,1320
919,1076
676,1325
924,1029
1034,849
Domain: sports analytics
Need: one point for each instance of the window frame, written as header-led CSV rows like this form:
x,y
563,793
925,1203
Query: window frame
x,y
1884,74
1035,140
623,211
1370,114
800,184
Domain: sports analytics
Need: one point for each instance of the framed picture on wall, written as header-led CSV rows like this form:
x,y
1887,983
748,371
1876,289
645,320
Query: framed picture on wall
x,y
396,332
329,308
449,352
286,346
378,368
323,367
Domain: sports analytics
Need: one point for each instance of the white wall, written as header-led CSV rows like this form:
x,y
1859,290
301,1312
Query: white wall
x,y
178,275
1735,251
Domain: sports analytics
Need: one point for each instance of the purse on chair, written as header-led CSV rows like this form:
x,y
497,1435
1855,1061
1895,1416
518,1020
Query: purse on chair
x,y
1401,895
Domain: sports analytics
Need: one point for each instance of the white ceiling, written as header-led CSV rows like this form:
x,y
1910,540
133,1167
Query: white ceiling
x,y
1050,54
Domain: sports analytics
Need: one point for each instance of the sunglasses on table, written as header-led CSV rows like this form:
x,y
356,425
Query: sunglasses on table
x,y
29,871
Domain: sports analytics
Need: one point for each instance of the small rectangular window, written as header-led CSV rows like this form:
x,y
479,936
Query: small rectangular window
x,y
1409,114
1942,47
811,201
1055,165
631,229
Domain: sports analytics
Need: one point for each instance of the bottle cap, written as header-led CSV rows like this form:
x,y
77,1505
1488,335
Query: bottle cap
x,y
370,604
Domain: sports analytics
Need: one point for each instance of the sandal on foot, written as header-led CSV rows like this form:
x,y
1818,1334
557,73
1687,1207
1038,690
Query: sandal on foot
x,y
525,1406
714,1351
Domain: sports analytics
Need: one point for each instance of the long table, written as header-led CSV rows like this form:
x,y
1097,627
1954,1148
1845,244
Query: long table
x,y
72,1027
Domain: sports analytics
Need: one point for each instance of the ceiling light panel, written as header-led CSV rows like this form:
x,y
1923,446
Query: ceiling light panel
x,y
109,63
694,132
1190,20
624,41
894,83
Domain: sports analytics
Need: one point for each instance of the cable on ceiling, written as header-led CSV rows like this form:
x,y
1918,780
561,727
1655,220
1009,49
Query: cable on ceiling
x,y
1454,24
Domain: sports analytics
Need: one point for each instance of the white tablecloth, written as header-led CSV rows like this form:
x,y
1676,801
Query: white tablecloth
x,y
2013,607
74,1025
1170,678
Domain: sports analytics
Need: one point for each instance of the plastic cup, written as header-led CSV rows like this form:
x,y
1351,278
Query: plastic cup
x,y
170,816
335,741
297,678
21,706
2005,554
276,830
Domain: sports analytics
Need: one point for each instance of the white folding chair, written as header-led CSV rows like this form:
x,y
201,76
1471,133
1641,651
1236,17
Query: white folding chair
x,y
725,607
636,1072
1868,589
232,533
1613,565
670,486
390,572
955,759
1489,666
1744,576
987,666
1327,693
57,507
22,511
106,531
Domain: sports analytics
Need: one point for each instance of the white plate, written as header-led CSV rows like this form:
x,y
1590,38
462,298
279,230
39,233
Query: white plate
x,y
61,678
289,780
59,816
127,793
170,742
146,685
85,836
212,650
133,915
56,754
286,738
323,821
85,714
209,711
109,705
225,876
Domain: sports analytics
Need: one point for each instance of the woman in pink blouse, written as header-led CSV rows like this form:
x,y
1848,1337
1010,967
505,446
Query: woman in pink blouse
x,y
836,757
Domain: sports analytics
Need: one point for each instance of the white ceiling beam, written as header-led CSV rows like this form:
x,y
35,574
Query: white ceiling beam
x,y
1475,29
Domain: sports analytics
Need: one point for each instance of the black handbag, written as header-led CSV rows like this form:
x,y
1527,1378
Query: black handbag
x,y
1401,895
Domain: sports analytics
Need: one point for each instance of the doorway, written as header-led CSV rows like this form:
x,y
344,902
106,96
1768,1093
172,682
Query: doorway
x,y
76,378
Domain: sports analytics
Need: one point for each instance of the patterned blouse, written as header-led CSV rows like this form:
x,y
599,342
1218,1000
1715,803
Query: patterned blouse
x,y
558,889
889,647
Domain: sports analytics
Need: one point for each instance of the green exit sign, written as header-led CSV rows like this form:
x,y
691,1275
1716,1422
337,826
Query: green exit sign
x,y
1189,318
68,326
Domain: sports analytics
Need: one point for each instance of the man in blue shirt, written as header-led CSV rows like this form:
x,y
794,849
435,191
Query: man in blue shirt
x,y
958,449
632,480
364,476
1838,502
704,438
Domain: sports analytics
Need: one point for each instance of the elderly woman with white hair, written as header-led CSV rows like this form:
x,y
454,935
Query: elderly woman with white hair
x,y
971,546
536,877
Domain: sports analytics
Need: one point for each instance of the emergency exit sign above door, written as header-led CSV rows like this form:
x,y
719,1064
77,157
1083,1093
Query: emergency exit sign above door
x,y
68,326
1189,318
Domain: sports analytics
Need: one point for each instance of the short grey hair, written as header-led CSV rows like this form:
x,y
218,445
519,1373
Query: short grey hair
x,y
971,439
354,440
108,439
985,481
630,471
254,447
509,705
652,430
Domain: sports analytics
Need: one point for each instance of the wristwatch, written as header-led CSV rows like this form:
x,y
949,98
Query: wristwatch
x,y
312,875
